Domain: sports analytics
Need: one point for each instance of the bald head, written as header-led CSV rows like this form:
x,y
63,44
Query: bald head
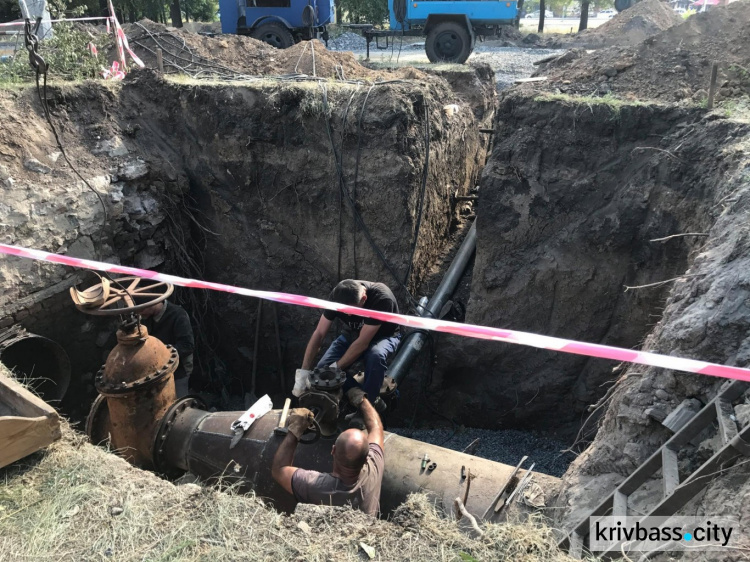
x,y
351,450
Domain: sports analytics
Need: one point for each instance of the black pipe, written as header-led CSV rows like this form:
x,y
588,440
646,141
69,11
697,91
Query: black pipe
x,y
414,341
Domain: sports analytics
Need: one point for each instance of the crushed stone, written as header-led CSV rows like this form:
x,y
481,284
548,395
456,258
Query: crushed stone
x,y
506,446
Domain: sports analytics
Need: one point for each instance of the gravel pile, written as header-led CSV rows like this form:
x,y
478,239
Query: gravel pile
x,y
347,41
510,63
505,446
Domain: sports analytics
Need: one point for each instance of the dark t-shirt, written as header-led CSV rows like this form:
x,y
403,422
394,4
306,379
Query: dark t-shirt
x,y
310,486
380,298
174,328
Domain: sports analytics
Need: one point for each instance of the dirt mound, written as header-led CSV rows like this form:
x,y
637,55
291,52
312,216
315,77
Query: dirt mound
x,y
631,27
230,56
673,65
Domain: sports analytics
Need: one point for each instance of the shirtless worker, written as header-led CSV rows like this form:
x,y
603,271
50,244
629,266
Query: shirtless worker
x,y
358,462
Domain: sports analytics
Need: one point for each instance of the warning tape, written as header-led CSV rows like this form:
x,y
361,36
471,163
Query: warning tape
x,y
468,330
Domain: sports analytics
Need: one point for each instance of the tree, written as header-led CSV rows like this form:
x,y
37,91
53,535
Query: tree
x,y
542,10
365,11
584,16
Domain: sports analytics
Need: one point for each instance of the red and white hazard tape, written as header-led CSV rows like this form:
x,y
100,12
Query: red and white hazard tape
x,y
468,330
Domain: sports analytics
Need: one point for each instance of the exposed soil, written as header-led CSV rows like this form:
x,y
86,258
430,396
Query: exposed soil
x,y
232,55
226,166
632,26
674,65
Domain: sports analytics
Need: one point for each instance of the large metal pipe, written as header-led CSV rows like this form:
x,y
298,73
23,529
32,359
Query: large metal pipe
x,y
414,341
41,361
191,439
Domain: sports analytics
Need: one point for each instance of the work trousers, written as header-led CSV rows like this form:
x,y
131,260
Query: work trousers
x,y
375,358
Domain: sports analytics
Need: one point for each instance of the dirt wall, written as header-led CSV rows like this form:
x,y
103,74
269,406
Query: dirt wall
x,y
569,202
238,184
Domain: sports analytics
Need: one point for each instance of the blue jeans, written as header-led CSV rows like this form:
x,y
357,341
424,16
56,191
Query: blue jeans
x,y
375,357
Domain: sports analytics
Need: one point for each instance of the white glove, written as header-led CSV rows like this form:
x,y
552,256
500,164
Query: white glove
x,y
333,365
301,382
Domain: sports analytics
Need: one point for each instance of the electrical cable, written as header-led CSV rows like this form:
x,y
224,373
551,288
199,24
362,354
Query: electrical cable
x,y
341,201
350,202
356,175
425,172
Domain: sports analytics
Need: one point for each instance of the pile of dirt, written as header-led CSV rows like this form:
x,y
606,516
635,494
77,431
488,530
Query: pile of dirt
x,y
673,65
232,56
632,26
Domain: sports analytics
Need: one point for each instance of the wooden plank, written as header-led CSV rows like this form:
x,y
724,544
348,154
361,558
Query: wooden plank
x,y
669,470
34,425
527,80
727,425
620,504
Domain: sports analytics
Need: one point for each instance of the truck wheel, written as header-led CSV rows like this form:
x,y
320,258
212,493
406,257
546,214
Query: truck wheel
x,y
274,34
448,41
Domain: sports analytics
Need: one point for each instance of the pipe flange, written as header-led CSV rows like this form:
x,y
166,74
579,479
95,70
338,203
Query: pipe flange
x,y
148,380
166,424
327,379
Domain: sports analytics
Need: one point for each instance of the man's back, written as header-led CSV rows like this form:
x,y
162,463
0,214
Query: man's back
x,y
310,486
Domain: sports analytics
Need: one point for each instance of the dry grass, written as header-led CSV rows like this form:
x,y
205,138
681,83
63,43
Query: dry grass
x,y
77,502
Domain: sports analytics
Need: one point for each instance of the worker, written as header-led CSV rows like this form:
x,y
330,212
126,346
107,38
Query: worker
x,y
170,323
364,337
358,462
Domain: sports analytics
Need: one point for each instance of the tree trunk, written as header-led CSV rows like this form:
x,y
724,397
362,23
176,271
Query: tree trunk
x,y
518,14
339,14
542,9
175,13
584,16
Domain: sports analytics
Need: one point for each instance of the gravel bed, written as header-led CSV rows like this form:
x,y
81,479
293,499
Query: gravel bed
x,y
510,63
505,446
347,41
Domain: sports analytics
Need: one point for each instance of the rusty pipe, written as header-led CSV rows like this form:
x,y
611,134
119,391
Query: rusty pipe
x,y
191,439
137,382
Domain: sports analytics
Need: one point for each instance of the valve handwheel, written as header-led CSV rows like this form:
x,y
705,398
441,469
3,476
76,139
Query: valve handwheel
x,y
120,296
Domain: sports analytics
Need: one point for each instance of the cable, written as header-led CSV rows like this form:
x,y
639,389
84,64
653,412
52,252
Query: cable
x,y
356,173
425,171
341,201
357,216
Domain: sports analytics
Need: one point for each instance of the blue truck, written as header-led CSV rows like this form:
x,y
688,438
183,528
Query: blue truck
x,y
450,27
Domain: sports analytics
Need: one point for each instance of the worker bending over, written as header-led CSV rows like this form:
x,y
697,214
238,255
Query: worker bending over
x,y
367,337
358,462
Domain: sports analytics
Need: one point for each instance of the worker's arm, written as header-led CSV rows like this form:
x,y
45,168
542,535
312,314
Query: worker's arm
x,y
281,468
313,346
372,423
358,346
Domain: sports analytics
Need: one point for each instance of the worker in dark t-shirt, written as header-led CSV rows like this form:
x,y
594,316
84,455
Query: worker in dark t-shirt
x,y
364,337
170,323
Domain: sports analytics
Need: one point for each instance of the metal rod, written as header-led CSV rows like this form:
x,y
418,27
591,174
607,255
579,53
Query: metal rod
x,y
414,341
712,86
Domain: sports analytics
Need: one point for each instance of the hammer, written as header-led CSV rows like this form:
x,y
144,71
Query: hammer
x,y
281,429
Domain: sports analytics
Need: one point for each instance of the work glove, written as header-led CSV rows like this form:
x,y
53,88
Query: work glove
x,y
333,366
356,395
301,382
299,421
